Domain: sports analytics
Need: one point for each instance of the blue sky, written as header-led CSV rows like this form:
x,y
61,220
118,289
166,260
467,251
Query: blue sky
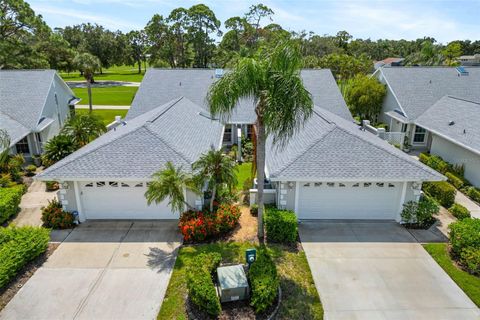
x,y
400,19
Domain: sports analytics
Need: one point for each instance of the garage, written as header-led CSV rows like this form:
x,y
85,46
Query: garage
x,y
334,200
120,200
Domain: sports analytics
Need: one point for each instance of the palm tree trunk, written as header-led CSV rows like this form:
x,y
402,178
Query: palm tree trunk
x,y
260,172
214,191
139,66
89,89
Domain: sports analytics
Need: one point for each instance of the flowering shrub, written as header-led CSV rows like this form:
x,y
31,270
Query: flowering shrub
x,y
54,217
200,225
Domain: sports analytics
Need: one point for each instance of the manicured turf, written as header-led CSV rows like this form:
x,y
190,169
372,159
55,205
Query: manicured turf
x,y
107,115
109,96
300,297
468,283
121,73
244,172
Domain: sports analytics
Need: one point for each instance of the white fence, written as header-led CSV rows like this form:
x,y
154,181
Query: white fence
x,y
395,138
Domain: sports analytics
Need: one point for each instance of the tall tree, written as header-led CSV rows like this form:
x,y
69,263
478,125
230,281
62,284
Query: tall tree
x,y
282,102
364,96
87,64
160,41
216,169
255,15
137,47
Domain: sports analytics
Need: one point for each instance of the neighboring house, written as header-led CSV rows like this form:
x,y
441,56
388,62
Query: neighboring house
x,y
470,60
389,62
34,105
163,85
107,179
331,169
418,99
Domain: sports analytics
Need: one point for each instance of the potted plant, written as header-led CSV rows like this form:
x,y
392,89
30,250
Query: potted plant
x,y
406,144
37,160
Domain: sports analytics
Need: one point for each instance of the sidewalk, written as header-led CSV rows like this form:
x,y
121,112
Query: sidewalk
x,y
32,203
98,107
467,203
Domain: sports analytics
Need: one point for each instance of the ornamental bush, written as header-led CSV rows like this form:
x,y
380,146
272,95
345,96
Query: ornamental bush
x,y
254,209
30,170
53,216
437,163
227,217
9,201
280,225
18,246
424,158
201,289
465,242
419,213
264,282
441,191
459,211
456,181
474,194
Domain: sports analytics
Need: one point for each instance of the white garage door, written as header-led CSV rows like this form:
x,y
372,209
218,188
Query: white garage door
x,y
333,200
120,200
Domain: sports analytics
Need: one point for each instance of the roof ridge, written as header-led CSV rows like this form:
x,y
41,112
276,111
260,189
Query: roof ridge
x,y
458,98
168,107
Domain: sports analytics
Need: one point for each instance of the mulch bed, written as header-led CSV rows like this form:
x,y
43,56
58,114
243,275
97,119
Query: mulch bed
x,y
8,292
424,226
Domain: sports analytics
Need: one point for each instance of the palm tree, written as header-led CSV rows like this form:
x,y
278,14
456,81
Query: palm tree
x,y
88,64
84,128
169,183
282,103
216,169
58,148
4,148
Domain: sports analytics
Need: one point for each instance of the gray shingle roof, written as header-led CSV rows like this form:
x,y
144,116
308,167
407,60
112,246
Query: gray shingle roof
x,y
418,88
465,115
177,131
330,147
162,85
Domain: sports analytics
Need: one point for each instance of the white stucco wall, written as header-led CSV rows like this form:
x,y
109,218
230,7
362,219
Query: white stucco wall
x,y
455,154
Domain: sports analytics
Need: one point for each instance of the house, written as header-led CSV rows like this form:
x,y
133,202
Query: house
x,y
420,104
34,105
331,169
389,62
473,60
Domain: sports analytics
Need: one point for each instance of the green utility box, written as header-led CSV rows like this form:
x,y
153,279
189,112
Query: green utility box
x,y
232,283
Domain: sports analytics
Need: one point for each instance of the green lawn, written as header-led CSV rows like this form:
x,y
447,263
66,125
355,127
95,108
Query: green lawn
x,y
468,283
110,96
117,73
107,115
244,172
300,297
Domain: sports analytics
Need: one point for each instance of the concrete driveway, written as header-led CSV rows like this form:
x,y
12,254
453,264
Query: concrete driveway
x,y
377,270
103,270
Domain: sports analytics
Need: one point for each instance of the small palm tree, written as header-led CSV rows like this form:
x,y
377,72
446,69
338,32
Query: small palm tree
x,y
58,148
216,169
84,128
169,183
282,102
88,64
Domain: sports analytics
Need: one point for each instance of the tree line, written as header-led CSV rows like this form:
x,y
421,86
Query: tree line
x,y
192,37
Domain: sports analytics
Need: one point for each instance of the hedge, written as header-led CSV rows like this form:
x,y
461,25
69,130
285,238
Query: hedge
x,y
424,157
465,243
442,191
9,200
280,225
264,282
459,211
18,246
201,289
456,181
474,194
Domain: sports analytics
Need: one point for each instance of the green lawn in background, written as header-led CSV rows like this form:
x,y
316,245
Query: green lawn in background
x,y
470,284
110,96
300,299
244,172
107,115
116,73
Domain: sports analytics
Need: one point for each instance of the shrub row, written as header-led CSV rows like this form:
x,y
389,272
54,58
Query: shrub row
x,y
465,243
264,282
474,194
435,162
280,225
459,211
199,226
201,289
54,217
455,180
9,200
441,191
18,246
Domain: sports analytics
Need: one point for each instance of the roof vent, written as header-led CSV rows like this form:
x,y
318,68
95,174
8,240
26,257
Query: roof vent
x,y
218,73
461,71
451,123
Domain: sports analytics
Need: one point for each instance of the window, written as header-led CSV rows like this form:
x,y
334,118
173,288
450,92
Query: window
x,y
307,184
89,185
367,184
404,127
125,185
356,185
139,185
331,184
341,185
149,184
227,135
113,184
317,184
420,135
391,185
22,146
380,184
100,184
